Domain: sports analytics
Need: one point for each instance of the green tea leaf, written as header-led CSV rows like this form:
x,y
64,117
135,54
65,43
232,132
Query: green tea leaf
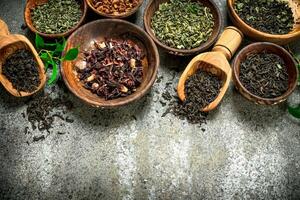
x,y
45,57
39,42
54,74
294,111
71,54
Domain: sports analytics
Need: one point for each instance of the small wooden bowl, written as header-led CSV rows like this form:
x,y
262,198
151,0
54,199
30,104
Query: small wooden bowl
x,y
270,48
33,3
153,6
266,37
85,36
119,16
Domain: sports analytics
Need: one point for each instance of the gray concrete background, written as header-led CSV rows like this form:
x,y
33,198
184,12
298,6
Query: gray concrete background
x,y
246,151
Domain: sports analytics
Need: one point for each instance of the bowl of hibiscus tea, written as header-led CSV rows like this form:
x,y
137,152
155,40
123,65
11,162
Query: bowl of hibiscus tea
x,y
276,21
265,73
117,63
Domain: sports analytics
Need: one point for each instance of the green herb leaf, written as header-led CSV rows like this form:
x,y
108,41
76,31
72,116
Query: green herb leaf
x,y
54,74
45,57
294,111
39,42
71,54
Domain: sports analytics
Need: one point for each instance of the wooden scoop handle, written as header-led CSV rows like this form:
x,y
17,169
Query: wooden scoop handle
x,y
3,28
229,42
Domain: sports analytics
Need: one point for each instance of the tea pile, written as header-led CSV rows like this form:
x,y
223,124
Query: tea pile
x,y
56,16
40,111
114,68
270,16
201,89
22,71
264,75
182,24
114,7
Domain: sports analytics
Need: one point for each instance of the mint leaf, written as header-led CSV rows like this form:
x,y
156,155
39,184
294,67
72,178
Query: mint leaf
x,y
54,74
39,42
294,111
45,57
71,54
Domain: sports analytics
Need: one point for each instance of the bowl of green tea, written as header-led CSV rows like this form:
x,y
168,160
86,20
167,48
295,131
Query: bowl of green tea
x,y
183,27
54,18
265,73
274,21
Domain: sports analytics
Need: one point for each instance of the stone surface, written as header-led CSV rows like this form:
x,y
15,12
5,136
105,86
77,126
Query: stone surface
x,y
245,151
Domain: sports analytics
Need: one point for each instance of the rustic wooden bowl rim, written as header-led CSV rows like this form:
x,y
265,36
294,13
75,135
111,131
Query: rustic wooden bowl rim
x,y
235,67
211,40
230,6
123,15
56,35
121,101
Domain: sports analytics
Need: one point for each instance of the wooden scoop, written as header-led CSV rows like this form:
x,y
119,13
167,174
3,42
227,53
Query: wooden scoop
x,y
215,62
10,44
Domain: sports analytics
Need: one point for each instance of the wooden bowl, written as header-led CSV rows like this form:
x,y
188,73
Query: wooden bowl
x,y
266,37
97,31
270,48
33,3
118,16
153,6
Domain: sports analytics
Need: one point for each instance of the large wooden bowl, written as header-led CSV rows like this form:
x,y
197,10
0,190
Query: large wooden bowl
x,y
262,36
153,6
33,3
85,36
116,16
270,48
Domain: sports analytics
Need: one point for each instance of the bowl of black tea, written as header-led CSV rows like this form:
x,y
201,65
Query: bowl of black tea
x,y
274,21
54,18
265,73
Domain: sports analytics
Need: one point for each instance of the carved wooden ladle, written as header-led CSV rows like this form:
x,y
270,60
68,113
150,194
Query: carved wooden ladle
x,y
215,62
10,43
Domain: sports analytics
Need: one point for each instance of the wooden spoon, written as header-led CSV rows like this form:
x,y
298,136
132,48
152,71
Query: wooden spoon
x,y
10,44
215,62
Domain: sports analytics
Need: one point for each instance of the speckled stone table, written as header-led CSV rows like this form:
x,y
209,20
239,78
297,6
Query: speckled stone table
x,y
245,151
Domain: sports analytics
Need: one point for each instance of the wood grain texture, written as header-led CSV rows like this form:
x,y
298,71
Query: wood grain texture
x,y
30,4
110,28
215,62
10,44
116,16
153,6
270,48
261,36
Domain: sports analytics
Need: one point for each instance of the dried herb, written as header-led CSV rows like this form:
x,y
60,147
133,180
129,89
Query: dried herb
x,y
113,68
22,71
51,54
115,7
40,111
201,89
182,24
56,16
270,16
264,75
